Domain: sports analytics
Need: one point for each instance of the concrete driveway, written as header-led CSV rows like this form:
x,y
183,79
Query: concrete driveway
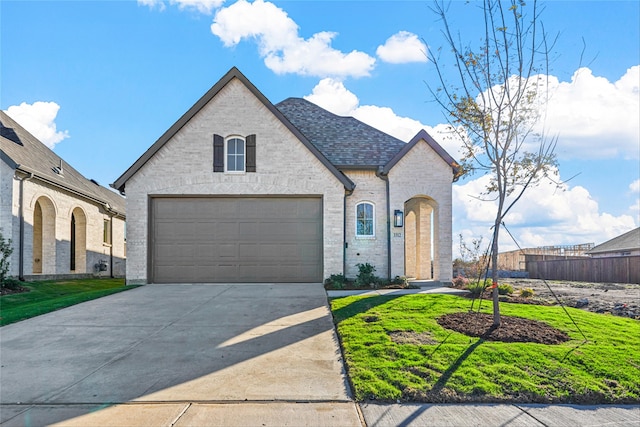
x,y
179,355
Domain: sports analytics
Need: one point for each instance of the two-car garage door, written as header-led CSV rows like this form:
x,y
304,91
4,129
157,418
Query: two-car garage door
x,y
235,239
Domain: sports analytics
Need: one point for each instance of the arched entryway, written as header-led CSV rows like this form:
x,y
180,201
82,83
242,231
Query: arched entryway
x,y
78,242
44,237
421,238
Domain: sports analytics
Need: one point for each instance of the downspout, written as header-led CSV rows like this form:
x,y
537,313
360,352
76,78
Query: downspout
x,y
347,193
21,221
112,215
385,178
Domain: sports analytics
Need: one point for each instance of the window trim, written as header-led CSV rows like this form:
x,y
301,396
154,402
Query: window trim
x,y
226,154
373,220
107,237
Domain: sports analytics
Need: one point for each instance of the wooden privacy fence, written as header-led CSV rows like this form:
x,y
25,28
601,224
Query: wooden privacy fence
x,y
598,270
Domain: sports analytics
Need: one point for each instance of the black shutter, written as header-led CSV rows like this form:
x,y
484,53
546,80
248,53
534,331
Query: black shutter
x,y
218,153
250,165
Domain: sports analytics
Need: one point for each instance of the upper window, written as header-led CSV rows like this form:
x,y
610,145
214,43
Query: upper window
x,y
365,223
235,155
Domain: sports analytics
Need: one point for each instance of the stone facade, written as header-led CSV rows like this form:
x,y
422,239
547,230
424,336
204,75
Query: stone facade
x,y
423,174
303,150
184,166
372,250
47,212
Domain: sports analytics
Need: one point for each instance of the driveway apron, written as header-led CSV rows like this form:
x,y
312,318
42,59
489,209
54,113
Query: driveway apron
x,y
179,355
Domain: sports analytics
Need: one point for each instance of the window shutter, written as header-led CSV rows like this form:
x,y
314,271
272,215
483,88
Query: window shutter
x,y
218,153
250,165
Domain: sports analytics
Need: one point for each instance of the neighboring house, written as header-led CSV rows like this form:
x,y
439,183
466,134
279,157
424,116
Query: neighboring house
x,y
60,223
627,244
241,190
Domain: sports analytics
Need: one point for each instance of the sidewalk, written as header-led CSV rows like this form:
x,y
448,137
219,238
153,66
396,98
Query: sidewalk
x,y
489,415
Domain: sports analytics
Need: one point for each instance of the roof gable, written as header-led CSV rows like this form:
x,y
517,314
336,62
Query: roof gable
x,y
424,136
625,242
234,73
345,141
23,151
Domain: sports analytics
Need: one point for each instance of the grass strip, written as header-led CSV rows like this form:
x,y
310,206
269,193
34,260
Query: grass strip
x,y
47,296
441,365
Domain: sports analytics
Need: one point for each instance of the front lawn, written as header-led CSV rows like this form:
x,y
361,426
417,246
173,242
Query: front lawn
x,y
46,296
396,350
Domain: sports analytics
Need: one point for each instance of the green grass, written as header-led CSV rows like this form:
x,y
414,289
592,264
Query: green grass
x,y
48,296
458,368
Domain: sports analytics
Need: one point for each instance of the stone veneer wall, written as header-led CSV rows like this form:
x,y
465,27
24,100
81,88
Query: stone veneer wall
x,y
184,166
56,254
422,172
372,250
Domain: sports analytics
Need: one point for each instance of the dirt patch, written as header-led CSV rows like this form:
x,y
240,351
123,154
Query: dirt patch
x,y
511,329
410,337
618,299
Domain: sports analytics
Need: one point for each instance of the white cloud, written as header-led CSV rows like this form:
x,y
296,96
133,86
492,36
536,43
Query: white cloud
x,y
203,6
283,50
39,119
546,215
402,48
595,118
634,187
333,96
152,4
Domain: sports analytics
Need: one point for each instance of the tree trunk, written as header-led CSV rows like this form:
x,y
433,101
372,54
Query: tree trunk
x,y
494,273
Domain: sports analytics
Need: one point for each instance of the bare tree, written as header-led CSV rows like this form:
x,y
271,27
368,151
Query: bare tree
x,y
496,102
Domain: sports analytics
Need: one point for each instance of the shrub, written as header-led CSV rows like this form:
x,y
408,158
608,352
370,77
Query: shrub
x,y
526,292
5,252
400,280
460,281
505,289
476,288
365,275
336,281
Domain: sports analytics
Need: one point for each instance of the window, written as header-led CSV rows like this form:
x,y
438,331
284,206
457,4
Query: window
x,y
235,154
365,223
106,232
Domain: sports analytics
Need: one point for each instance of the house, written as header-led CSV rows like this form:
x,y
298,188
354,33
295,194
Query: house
x,y
60,223
627,244
242,190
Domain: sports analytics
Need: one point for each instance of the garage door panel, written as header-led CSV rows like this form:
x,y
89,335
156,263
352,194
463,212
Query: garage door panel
x,y
218,239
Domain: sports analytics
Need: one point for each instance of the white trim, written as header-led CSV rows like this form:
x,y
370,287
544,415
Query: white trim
x,y
373,220
244,155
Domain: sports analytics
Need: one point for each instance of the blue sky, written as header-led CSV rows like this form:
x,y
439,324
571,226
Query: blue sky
x,y
100,81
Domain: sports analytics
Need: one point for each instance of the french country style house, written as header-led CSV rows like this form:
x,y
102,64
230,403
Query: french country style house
x,y
60,223
242,190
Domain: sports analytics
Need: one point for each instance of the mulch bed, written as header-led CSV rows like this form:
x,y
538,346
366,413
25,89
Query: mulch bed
x,y
16,290
511,329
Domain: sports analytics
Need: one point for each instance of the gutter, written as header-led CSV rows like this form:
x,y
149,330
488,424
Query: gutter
x,y
70,190
21,220
385,178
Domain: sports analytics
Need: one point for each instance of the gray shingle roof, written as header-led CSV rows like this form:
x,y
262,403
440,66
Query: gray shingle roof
x,y
625,242
344,141
30,155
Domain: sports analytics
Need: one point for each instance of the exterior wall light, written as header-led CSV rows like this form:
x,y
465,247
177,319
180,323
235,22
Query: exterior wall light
x,y
398,218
